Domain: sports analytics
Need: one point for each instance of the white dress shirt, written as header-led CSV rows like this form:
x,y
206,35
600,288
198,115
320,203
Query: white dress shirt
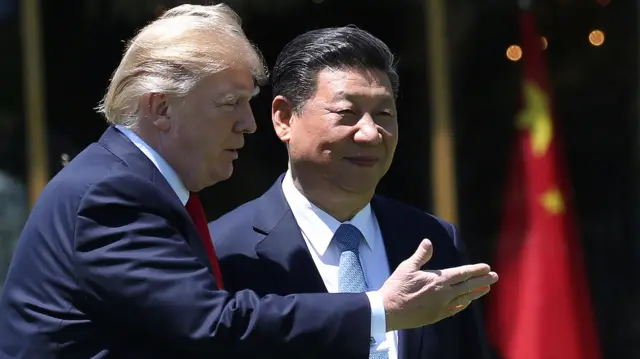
x,y
318,228
165,169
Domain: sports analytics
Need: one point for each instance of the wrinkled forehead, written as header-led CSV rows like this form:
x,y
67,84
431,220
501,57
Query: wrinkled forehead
x,y
231,83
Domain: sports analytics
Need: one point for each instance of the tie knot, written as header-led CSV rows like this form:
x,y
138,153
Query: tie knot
x,y
348,238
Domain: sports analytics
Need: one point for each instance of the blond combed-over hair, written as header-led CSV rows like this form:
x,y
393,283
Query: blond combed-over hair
x,y
174,53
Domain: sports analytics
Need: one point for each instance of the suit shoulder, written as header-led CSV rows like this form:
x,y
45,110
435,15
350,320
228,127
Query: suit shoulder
x,y
121,182
439,231
72,182
113,180
233,233
237,218
415,215
96,176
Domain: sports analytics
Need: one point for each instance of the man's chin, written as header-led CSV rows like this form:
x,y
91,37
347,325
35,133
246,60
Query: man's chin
x,y
219,175
365,187
224,172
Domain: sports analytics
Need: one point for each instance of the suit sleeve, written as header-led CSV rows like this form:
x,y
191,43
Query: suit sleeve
x,y
475,337
140,276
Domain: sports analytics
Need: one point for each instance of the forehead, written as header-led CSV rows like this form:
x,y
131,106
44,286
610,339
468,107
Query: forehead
x,y
337,84
234,81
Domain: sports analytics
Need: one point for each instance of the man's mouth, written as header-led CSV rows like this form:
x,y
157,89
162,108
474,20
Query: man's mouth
x,y
363,161
233,152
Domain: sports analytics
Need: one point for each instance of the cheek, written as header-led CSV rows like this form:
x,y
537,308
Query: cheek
x,y
389,127
187,121
390,134
319,138
317,141
213,128
391,140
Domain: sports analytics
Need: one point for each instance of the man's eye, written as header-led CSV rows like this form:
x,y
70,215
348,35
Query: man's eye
x,y
229,104
346,112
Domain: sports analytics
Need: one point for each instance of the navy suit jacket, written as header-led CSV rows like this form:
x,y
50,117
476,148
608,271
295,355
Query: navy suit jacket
x,y
109,265
260,247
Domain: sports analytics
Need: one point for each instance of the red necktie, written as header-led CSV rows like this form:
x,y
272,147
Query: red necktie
x,y
196,212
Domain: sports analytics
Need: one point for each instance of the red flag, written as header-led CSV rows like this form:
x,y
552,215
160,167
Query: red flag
x,y
541,307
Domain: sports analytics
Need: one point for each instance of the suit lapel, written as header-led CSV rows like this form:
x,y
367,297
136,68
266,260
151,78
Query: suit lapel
x,y
283,245
395,235
116,142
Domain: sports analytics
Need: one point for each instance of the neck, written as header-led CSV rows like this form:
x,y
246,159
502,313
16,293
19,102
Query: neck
x,y
162,146
335,201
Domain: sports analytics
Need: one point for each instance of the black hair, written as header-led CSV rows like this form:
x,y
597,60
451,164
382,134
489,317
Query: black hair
x,y
296,70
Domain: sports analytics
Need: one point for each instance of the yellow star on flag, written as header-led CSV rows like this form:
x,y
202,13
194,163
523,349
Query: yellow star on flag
x,y
552,201
536,117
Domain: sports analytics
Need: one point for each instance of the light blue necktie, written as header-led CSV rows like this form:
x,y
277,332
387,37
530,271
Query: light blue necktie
x,y
350,273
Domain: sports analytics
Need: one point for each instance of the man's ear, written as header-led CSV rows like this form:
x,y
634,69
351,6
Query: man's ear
x,y
282,116
155,107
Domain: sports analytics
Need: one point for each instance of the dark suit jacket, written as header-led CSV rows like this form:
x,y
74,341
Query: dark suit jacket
x,y
260,247
109,265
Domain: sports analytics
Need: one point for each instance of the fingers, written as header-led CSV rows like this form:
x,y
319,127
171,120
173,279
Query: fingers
x,y
422,254
465,299
463,273
461,302
453,310
474,283
456,310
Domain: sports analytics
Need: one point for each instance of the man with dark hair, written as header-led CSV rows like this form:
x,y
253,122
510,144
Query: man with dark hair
x,y
321,228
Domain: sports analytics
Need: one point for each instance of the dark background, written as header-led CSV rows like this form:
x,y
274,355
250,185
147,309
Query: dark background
x,y
595,90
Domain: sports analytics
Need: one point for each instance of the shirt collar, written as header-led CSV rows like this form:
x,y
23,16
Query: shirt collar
x,y
317,225
161,164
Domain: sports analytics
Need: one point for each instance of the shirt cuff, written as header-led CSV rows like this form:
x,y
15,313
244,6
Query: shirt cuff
x,y
378,319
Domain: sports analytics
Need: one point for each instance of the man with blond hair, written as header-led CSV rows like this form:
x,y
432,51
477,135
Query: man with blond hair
x,y
115,259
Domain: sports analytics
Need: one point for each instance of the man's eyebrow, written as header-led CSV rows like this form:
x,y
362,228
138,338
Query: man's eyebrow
x,y
250,94
241,93
384,99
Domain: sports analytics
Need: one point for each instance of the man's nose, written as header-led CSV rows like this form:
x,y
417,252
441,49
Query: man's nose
x,y
246,122
367,131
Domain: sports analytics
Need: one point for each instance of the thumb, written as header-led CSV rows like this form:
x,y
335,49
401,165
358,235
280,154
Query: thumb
x,y
422,255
